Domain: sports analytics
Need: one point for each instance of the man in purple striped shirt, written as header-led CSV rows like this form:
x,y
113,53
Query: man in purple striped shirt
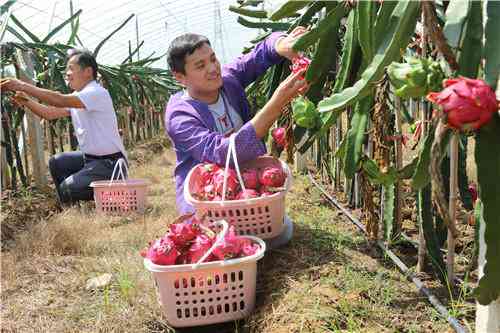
x,y
213,105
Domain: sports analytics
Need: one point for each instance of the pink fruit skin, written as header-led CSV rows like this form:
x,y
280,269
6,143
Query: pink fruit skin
x,y
163,252
200,246
279,136
249,194
182,233
247,248
272,176
473,192
229,247
251,178
206,172
299,63
232,182
468,103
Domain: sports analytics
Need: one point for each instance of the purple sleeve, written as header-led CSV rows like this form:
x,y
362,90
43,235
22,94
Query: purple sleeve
x,y
191,136
248,67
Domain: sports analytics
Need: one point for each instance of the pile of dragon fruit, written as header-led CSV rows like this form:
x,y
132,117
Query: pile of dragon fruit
x,y
187,242
259,182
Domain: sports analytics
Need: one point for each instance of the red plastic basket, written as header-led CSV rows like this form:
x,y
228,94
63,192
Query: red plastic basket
x,y
262,217
120,196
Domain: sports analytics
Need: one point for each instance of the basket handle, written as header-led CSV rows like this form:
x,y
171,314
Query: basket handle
x,y
220,237
231,152
118,166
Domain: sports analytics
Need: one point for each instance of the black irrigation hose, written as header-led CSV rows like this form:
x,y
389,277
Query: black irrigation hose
x,y
401,265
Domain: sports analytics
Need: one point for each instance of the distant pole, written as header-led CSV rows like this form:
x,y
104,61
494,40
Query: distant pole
x,y
52,16
166,33
137,35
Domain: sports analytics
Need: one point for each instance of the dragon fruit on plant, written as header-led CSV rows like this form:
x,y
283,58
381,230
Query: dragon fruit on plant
x,y
415,77
279,136
467,103
473,192
299,63
272,177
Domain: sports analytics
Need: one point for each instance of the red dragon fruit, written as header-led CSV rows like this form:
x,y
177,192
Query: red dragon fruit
x,y
468,103
182,233
200,246
279,136
250,178
206,172
272,177
299,63
247,194
229,247
473,192
162,252
232,182
248,248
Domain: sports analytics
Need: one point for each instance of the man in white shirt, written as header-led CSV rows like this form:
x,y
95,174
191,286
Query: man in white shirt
x,y
94,119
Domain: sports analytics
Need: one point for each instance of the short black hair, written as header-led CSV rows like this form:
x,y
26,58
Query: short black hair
x,y
181,47
84,59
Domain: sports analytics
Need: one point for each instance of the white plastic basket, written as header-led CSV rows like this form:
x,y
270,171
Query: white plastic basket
x,y
117,196
207,293
262,217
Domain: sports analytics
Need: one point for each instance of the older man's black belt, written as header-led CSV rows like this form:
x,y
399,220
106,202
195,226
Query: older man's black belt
x,y
114,156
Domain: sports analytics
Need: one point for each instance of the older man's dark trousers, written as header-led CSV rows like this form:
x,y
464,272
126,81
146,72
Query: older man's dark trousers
x,y
72,173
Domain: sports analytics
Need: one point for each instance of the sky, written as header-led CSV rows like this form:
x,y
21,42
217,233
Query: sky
x,y
157,21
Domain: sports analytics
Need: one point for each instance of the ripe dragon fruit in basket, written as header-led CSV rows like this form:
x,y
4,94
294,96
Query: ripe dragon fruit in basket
x,y
162,252
207,171
198,248
247,194
182,233
229,247
248,248
232,182
272,177
250,178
